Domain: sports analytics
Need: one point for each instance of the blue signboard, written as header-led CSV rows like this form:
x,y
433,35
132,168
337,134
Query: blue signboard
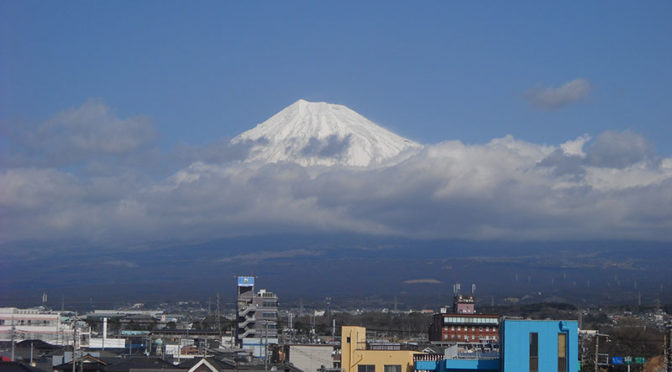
x,y
616,360
246,281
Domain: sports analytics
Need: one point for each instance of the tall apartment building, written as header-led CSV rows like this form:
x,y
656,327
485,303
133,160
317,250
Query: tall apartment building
x,y
257,316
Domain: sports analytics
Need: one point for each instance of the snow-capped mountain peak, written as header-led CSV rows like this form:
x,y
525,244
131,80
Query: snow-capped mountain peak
x,y
320,133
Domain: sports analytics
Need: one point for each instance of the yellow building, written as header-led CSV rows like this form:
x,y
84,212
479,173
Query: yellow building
x,y
356,357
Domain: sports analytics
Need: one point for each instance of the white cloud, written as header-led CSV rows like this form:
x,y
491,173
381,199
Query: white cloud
x,y
90,136
575,147
610,188
92,129
551,98
618,149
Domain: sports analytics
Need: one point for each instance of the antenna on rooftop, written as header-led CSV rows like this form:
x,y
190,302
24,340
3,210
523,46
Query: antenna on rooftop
x,y
456,289
473,288
44,299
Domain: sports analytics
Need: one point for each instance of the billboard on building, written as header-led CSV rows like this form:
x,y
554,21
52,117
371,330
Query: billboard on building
x,y
246,281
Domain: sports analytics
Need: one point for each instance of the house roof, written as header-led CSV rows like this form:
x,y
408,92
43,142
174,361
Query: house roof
x,y
17,367
88,359
38,344
217,364
139,363
433,349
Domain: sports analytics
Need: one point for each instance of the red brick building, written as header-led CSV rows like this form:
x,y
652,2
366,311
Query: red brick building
x,y
464,328
463,325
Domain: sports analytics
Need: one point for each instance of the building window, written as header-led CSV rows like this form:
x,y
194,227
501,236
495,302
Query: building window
x,y
459,328
459,337
473,328
366,368
347,340
562,352
452,328
393,368
452,336
473,337
487,329
534,352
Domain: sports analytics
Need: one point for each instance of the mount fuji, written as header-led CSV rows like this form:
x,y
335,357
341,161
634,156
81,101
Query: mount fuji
x,y
320,133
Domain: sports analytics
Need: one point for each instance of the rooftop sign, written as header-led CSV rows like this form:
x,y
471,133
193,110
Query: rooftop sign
x,y
246,281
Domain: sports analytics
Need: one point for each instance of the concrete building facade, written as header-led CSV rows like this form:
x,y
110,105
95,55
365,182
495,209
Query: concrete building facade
x,y
357,357
540,345
463,324
525,346
310,358
257,317
36,324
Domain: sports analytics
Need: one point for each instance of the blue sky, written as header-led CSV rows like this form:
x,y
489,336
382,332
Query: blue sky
x,y
432,71
115,118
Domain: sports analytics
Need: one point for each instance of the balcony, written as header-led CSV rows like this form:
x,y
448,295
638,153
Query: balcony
x,y
247,321
463,361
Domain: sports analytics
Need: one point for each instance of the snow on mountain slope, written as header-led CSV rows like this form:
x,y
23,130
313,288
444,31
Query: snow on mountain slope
x,y
320,133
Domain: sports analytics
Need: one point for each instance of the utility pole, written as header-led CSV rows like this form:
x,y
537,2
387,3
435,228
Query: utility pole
x,y
597,349
266,345
13,330
74,344
312,327
179,350
219,324
668,346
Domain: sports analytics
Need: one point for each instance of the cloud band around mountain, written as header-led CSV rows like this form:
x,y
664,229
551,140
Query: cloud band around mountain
x,y
612,187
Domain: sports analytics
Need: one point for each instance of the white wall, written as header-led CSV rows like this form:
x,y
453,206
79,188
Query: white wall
x,y
309,358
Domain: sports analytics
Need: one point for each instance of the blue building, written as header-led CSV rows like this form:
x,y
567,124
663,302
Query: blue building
x,y
525,346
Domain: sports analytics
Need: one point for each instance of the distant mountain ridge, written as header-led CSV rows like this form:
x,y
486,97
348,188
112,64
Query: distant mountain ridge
x,y
320,133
